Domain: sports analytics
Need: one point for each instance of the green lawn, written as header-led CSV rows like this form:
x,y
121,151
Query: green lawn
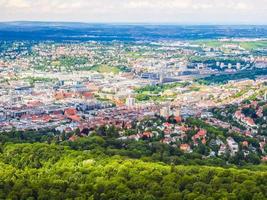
x,y
250,45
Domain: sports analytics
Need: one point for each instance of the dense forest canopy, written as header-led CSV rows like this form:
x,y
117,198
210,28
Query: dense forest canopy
x,y
47,165
43,171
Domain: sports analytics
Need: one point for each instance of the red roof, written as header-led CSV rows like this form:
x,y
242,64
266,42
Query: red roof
x,y
148,134
201,134
70,111
249,121
87,95
245,143
178,119
184,147
75,118
167,124
73,138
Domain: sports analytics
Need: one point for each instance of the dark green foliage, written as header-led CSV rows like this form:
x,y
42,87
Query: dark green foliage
x,y
224,78
42,171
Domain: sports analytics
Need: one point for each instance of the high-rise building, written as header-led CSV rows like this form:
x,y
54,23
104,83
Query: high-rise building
x,y
130,102
238,65
162,74
165,111
161,77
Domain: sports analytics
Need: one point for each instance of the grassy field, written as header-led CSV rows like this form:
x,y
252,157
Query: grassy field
x,y
250,45
105,69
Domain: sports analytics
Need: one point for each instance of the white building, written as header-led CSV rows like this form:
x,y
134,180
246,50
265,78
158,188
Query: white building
x,y
165,111
233,146
130,102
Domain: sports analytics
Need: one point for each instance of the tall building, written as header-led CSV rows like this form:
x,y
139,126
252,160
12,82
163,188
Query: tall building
x,y
233,146
162,74
238,65
176,112
161,77
165,111
130,102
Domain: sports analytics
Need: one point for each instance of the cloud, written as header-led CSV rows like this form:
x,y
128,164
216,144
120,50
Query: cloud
x,y
180,11
13,4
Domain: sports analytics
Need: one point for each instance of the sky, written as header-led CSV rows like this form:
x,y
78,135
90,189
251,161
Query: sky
x,y
137,11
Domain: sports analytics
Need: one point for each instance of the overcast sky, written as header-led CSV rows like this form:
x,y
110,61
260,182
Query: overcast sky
x,y
137,11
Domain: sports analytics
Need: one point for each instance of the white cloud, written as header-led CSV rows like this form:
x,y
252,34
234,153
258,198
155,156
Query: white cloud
x,y
11,4
193,11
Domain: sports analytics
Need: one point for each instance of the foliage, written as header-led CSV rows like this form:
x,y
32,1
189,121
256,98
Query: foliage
x,y
41,171
224,78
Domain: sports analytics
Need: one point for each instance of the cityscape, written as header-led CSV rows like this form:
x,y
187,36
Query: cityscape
x,y
132,110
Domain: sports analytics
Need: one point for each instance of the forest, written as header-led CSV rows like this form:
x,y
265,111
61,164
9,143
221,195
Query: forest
x,y
225,78
40,165
51,171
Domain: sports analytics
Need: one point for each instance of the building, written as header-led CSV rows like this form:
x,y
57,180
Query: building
x,y
185,148
130,102
232,145
238,65
222,150
165,111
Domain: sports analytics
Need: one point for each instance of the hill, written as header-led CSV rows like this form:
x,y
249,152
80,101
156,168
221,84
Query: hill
x,y
43,171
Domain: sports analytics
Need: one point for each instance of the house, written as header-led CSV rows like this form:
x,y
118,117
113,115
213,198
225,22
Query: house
x,y
262,145
264,159
70,111
245,144
147,134
201,135
73,138
222,150
135,137
250,122
239,115
233,146
178,119
185,148
166,140
75,118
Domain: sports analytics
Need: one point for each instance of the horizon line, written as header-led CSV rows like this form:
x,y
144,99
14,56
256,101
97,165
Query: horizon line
x,y
137,23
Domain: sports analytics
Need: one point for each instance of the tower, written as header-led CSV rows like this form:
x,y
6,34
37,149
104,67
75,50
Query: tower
x,y
130,102
162,74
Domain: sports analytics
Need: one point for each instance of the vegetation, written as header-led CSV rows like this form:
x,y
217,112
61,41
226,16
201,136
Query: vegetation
x,y
77,64
105,140
153,92
33,80
42,171
224,78
212,60
108,69
46,165
248,45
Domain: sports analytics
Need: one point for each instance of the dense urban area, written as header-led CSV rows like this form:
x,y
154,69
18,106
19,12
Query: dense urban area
x,y
116,119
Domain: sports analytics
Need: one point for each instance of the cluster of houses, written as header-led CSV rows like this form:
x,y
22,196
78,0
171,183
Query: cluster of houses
x,y
247,121
177,135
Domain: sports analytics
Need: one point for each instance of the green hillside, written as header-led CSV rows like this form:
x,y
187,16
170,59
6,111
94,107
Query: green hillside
x,y
42,171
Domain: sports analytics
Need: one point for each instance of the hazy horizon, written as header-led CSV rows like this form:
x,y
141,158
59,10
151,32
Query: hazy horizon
x,y
178,12
129,23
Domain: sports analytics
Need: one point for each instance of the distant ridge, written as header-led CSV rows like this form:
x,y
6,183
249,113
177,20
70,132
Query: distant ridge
x,y
82,31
